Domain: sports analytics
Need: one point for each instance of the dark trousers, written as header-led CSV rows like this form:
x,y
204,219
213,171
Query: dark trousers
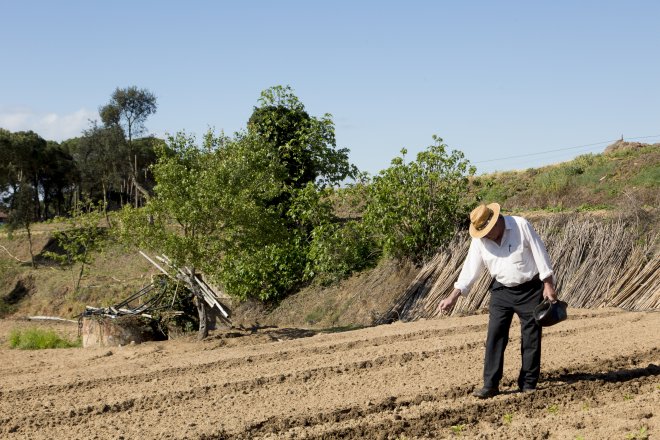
x,y
504,302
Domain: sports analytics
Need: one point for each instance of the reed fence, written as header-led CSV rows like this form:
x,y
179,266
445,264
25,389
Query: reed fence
x,y
597,263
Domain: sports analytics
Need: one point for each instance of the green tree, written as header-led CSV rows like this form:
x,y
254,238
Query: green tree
x,y
208,203
129,109
58,178
100,154
415,207
24,161
82,237
243,209
305,144
21,214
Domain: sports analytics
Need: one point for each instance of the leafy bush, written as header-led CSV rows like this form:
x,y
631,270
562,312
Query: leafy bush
x,y
263,272
413,208
37,339
82,238
337,250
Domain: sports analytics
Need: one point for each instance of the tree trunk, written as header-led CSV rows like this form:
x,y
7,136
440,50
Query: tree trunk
x,y
105,206
135,182
37,205
203,319
80,274
202,310
29,234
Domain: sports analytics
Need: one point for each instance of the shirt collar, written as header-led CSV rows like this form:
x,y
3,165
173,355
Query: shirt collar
x,y
508,222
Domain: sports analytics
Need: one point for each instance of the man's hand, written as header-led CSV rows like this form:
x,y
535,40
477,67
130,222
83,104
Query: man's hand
x,y
448,303
549,290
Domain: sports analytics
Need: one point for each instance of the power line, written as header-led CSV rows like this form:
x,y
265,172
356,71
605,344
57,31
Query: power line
x,y
563,149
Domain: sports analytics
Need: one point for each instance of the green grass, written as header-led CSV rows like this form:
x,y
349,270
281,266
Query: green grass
x,y
36,339
588,182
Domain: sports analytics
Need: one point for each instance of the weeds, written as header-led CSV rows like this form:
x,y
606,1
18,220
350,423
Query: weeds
x,y
627,397
553,409
507,418
642,434
36,339
457,429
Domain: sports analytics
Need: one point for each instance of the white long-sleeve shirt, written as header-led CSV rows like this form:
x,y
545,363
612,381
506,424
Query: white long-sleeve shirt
x,y
520,255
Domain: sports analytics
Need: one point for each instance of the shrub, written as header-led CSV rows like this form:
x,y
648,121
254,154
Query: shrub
x,y
37,339
413,208
337,250
264,272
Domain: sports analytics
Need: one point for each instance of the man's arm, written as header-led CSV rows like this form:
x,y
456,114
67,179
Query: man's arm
x,y
542,260
472,268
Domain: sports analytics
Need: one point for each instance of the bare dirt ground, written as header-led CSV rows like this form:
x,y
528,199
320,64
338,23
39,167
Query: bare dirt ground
x,y
600,380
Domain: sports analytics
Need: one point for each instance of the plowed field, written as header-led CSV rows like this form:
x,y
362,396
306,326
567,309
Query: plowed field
x,y
600,380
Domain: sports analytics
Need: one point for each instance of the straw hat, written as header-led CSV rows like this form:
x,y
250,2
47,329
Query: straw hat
x,y
483,218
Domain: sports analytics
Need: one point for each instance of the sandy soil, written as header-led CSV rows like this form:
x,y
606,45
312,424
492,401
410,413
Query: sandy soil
x,y
601,380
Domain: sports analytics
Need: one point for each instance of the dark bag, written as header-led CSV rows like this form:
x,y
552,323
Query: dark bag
x,y
547,313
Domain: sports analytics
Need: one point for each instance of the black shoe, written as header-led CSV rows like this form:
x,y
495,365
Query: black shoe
x,y
486,393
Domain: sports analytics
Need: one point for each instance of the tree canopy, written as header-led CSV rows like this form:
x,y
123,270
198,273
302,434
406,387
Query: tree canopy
x,y
305,144
129,108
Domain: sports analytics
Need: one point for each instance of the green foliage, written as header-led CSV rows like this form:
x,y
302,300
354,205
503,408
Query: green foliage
x,y
82,237
642,434
305,145
590,180
334,249
339,249
648,177
264,272
507,418
458,429
101,155
212,211
129,108
553,409
413,208
37,339
22,213
243,209
554,181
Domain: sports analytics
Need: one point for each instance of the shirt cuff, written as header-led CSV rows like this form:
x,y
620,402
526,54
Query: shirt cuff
x,y
463,289
544,275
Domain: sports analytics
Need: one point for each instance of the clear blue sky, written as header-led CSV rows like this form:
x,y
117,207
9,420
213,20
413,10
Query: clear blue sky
x,y
493,78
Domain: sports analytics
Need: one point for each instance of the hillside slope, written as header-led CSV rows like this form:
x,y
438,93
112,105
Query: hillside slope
x,y
625,180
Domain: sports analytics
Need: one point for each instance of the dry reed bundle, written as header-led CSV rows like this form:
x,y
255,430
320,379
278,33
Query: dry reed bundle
x,y
597,263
